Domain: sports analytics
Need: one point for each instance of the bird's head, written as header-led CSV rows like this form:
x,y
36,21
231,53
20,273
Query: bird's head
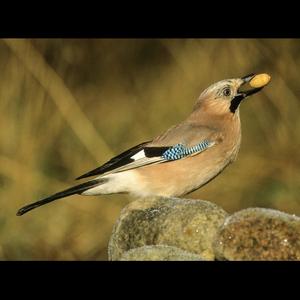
x,y
226,95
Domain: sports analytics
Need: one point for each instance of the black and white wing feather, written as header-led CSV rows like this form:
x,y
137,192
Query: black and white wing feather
x,y
127,159
142,155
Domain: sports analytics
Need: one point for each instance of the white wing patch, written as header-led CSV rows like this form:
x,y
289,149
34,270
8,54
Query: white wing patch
x,y
135,164
139,155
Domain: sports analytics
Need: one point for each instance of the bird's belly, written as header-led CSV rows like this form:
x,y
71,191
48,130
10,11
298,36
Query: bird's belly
x,y
180,177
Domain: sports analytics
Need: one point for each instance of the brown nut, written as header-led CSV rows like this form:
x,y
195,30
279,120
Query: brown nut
x,y
260,80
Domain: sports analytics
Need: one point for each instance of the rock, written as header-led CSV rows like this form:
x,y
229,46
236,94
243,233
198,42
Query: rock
x,y
188,224
259,234
159,253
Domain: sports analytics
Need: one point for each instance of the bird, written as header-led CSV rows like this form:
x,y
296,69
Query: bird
x,y
183,158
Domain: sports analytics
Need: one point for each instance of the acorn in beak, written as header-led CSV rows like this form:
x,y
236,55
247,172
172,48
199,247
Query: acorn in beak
x,y
250,84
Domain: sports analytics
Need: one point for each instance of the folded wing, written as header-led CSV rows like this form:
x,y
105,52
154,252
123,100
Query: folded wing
x,y
142,155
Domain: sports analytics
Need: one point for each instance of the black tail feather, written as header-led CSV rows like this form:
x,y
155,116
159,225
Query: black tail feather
x,y
68,192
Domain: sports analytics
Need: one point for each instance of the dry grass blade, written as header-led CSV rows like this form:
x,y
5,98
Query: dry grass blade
x,y
54,91
61,95
13,169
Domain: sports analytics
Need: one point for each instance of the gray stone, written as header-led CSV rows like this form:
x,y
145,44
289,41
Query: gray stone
x,y
159,253
259,234
188,224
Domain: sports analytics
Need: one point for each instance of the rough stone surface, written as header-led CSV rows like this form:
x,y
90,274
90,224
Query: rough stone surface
x,y
159,253
259,234
188,224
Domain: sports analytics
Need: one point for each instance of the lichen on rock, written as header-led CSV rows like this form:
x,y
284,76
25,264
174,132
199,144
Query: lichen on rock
x,y
159,253
187,224
259,234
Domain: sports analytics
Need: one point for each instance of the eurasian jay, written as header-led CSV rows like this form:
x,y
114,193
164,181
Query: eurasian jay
x,y
183,158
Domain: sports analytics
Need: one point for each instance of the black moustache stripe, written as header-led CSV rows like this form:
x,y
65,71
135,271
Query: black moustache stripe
x,y
235,102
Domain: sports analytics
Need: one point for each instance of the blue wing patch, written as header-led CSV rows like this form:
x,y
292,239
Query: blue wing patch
x,y
180,151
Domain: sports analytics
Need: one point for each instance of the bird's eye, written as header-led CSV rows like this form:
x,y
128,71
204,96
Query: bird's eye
x,y
227,92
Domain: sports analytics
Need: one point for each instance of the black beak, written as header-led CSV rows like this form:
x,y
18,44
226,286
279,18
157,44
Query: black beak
x,y
242,94
248,92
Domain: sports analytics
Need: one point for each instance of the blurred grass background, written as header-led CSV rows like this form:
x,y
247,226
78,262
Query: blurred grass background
x,y
67,105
